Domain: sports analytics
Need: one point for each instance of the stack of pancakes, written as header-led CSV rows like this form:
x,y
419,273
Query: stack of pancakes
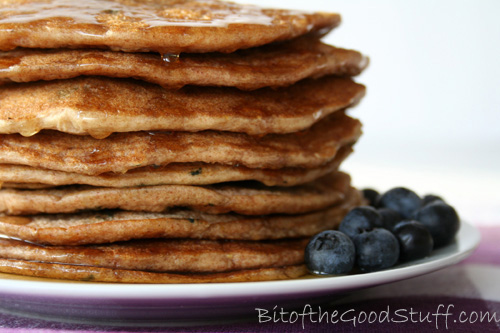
x,y
170,141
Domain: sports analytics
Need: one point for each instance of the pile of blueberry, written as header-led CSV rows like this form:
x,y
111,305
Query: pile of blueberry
x,y
398,226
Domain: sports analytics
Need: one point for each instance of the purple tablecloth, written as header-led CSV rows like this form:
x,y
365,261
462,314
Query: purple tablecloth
x,y
461,298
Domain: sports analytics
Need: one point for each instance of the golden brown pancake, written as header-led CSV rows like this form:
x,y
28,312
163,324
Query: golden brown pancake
x,y
165,255
20,176
98,274
124,151
136,93
100,106
246,198
272,65
96,227
32,186
165,26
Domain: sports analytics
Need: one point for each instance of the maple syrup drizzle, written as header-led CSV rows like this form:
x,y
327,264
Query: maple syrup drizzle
x,y
170,57
188,13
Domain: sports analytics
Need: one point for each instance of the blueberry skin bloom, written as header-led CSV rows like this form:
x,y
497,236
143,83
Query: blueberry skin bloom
x,y
376,249
359,219
441,220
389,218
402,200
330,252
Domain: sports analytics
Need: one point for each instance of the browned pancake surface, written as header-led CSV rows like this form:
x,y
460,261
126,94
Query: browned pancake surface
x,y
20,176
99,274
165,26
267,66
165,255
100,106
247,199
124,151
111,226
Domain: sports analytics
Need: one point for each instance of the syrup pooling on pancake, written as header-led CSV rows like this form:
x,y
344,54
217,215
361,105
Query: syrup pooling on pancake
x,y
156,14
164,26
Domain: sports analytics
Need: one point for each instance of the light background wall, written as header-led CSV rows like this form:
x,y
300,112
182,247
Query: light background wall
x,y
432,111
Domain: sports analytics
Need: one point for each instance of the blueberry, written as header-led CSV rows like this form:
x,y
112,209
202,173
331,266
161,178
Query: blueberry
x,y
402,200
371,195
441,220
359,219
376,249
415,241
330,252
389,218
430,198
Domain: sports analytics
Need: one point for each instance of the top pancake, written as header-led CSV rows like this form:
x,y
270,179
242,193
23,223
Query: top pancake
x,y
273,65
100,106
165,26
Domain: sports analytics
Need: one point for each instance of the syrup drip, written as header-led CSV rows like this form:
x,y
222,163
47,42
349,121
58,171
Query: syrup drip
x,y
17,220
6,61
170,57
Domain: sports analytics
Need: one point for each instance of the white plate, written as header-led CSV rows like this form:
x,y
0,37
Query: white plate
x,y
181,303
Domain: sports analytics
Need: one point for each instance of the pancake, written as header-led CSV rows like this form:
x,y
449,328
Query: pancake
x,y
100,106
95,227
124,151
165,26
247,199
20,176
32,186
275,65
98,274
165,255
